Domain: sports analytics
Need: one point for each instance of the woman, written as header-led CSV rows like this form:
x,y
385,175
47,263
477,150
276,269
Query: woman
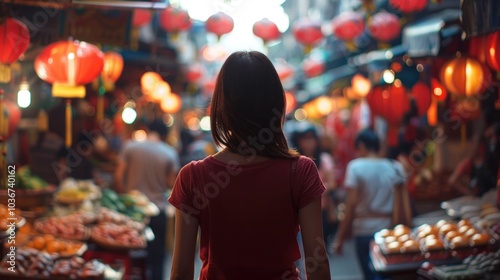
x,y
306,139
249,199
370,181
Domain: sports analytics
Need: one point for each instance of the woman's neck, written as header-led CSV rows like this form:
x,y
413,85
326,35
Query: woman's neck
x,y
227,156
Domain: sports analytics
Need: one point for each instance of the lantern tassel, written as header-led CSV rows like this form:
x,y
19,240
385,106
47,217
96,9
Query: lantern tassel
x,y
351,46
308,49
68,123
134,38
4,73
43,121
100,108
432,113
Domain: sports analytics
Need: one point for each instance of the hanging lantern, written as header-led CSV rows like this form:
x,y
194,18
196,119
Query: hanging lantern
x,y
174,20
313,67
465,76
384,27
171,104
194,72
348,26
478,48
493,50
290,102
361,85
148,82
14,41
438,90
307,32
408,6
161,90
390,103
266,30
423,97
68,65
113,66
219,24
140,17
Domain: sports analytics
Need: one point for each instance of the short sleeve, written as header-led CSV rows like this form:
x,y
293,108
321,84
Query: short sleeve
x,y
183,194
307,182
400,173
351,180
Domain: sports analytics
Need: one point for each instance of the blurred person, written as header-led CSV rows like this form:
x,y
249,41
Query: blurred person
x,y
306,140
370,182
150,166
250,198
74,162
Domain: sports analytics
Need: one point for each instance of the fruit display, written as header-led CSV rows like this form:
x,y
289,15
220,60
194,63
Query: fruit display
x,y
64,227
110,216
5,214
33,263
25,180
118,236
48,243
133,204
76,191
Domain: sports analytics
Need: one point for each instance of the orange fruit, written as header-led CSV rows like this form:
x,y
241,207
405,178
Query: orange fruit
x,y
48,237
52,247
38,243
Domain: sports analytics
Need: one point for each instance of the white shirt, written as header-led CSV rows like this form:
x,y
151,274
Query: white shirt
x,y
374,178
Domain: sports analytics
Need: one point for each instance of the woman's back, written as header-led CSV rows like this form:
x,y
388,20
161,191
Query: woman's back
x,y
248,214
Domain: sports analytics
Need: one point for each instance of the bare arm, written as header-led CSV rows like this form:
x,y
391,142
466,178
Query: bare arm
x,y
186,231
345,228
314,245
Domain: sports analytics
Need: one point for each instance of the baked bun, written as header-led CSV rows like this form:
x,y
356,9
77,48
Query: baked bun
x,y
443,230
459,242
390,239
433,245
464,222
385,233
424,232
480,239
403,238
463,229
441,223
393,247
470,232
400,230
452,234
410,246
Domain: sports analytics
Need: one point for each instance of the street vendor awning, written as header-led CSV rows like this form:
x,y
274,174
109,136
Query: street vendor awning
x,y
426,37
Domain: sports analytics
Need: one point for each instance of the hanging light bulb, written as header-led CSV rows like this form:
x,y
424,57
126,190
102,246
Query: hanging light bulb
x,y
129,114
24,94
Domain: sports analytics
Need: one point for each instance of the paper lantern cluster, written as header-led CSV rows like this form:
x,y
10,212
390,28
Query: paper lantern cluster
x,y
174,20
307,32
384,26
266,30
486,49
465,76
348,26
219,24
14,41
408,6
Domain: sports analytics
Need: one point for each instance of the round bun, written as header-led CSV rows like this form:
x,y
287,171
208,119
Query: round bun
x,y
385,233
463,229
433,244
452,234
410,246
470,232
403,238
431,230
390,239
459,242
447,228
480,239
393,247
441,223
464,222
400,230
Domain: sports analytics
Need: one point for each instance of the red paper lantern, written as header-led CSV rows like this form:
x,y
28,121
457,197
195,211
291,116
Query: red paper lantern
x,y
220,24
174,20
284,70
390,103
478,48
14,41
313,67
194,72
438,90
266,30
307,32
12,115
409,6
69,65
348,25
493,50
141,17
384,26
465,76
113,66
423,97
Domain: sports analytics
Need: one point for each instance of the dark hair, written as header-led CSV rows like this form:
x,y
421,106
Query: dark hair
x,y
158,126
247,108
369,140
302,132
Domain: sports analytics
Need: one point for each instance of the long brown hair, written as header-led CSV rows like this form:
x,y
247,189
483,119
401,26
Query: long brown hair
x,y
247,109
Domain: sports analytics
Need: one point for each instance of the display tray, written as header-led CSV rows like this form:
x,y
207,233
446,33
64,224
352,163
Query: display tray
x,y
381,265
115,272
39,227
80,247
105,243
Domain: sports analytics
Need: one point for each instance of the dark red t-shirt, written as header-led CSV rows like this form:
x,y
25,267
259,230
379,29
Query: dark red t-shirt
x,y
248,214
